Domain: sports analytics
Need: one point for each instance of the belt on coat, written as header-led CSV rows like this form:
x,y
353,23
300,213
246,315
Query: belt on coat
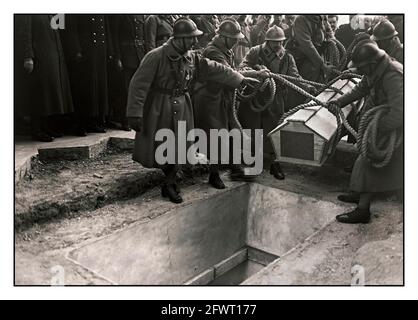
x,y
175,92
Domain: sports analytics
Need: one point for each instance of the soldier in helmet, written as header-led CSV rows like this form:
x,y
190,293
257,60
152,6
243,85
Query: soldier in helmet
x,y
383,82
158,96
212,101
270,55
386,37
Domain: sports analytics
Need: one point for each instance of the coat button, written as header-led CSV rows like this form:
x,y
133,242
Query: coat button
x,y
92,19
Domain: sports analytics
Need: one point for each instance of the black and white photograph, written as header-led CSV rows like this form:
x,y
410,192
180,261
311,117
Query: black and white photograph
x,y
207,149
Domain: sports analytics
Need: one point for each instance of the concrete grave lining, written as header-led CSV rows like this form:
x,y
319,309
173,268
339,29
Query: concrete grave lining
x,y
186,244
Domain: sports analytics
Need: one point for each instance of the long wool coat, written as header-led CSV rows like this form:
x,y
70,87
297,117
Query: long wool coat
x,y
90,36
212,100
308,34
150,97
385,87
46,91
267,119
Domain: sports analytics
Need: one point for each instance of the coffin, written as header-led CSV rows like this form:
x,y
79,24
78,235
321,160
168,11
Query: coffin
x,y
307,136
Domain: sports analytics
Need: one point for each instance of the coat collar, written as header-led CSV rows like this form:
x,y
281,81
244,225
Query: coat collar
x,y
270,54
219,43
395,48
380,70
172,53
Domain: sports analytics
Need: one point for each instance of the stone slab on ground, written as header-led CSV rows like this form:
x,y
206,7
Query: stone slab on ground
x,y
71,148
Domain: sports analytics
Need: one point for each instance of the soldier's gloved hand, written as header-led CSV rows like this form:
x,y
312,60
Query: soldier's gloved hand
x,y
250,82
264,74
328,69
135,123
78,56
259,67
334,104
312,90
119,65
28,65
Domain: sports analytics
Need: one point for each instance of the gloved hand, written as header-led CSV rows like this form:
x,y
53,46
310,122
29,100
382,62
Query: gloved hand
x,y
264,74
135,123
328,69
259,67
78,57
250,82
334,104
118,64
28,65
312,90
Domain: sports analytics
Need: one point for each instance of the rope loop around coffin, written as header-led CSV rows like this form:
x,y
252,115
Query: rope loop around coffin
x,y
379,153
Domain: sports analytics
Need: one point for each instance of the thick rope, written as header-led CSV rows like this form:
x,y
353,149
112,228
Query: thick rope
x,y
379,153
343,54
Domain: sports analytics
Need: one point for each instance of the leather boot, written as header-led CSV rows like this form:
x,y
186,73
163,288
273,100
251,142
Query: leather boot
x,y
276,170
216,181
169,191
356,216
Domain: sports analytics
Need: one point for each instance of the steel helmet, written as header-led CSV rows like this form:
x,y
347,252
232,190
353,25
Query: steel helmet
x,y
230,28
384,30
275,33
185,27
364,53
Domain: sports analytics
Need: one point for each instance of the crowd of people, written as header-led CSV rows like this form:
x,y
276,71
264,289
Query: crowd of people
x,y
75,80
149,72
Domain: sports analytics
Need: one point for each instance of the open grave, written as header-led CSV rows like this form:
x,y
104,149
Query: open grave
x,y
105,223
239,232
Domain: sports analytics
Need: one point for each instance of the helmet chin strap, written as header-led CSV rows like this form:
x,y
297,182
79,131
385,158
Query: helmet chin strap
x,y
226,42
184,44
180,47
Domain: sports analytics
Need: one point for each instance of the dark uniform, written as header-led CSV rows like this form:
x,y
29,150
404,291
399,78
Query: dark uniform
x,y
89,36
258,31
128,32
207,25
159,92
46,90
128,37
385,87
158,29
268,119
243,46
345,34
213,100
305,46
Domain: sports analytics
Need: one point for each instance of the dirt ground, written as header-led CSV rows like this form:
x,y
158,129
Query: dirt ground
x,y
65,203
